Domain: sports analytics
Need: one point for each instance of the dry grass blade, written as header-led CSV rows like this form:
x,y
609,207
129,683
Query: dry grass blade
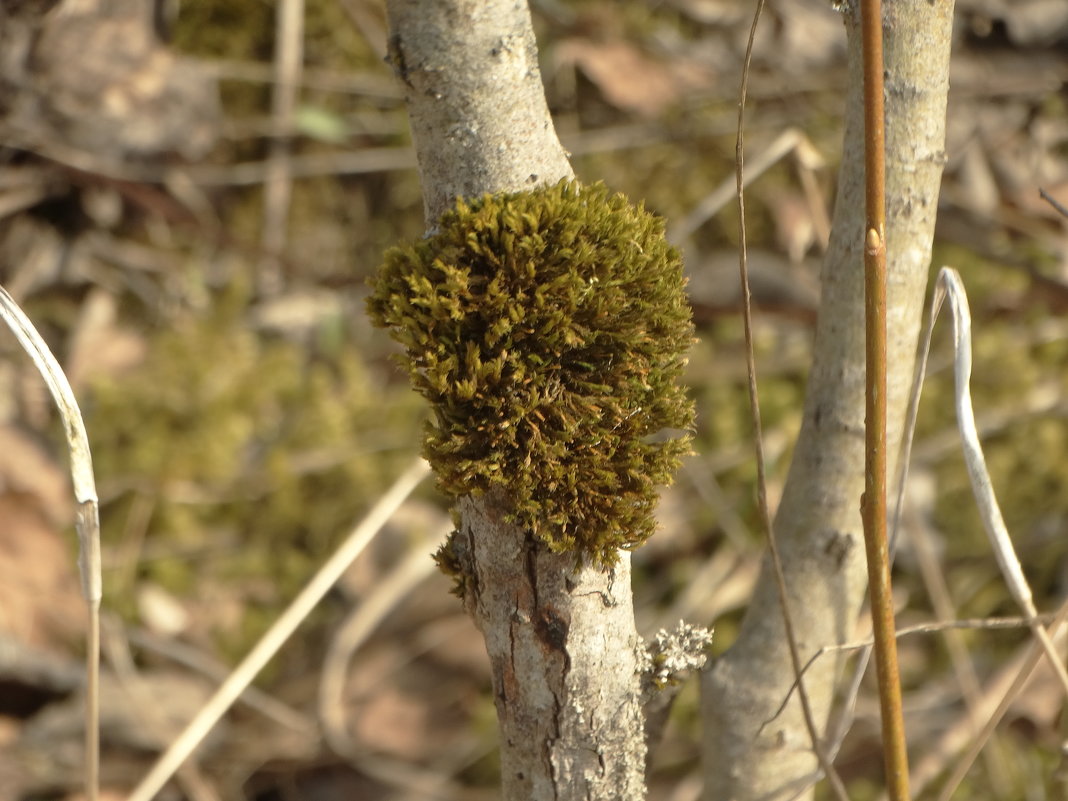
x,y
388,592
787,142
1060,207
81,465
1030,662
276,636
951,287
87,520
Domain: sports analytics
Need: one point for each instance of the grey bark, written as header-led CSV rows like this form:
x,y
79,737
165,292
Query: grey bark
x,y
565,654
475,99
566,663
751,750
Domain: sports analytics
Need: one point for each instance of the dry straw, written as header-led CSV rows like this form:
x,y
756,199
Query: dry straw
x,y
276,636
949,286
87,520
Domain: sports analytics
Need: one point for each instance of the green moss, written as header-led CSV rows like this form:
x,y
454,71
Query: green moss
x,y
251,455
548,330
449,561
236,29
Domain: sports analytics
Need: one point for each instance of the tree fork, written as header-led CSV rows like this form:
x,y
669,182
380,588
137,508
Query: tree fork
x,y
755,747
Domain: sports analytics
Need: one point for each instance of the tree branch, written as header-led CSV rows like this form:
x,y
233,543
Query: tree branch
x,y
566,657
475,99
750,751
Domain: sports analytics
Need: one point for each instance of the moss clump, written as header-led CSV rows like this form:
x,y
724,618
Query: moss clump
x,y
548,330
449,559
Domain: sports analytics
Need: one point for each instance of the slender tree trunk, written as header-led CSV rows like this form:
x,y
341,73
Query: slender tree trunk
x,y
752,750
475,99
565,654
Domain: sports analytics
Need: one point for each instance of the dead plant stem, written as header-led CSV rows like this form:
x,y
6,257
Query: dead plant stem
x,y
758,442
873,502
1034,655
92,702
278,188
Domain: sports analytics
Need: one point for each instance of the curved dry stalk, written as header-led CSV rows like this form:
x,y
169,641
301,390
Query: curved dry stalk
x,y
275,637
87,518
950,286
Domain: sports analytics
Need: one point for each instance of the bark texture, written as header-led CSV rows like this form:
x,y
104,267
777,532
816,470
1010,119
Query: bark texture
x,y
475,98
561,639
566,660
752,750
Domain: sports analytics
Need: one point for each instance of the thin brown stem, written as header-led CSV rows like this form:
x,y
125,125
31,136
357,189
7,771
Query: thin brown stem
x,y
1060,207
92,703
758,438
1034,656
873,503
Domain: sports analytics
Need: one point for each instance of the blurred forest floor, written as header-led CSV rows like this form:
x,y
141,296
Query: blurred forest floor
x,y
190,209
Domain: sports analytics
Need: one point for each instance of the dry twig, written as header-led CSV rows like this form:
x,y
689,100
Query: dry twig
x,y
754,407
278,188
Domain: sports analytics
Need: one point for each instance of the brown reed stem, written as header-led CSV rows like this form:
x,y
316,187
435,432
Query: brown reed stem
x,y
873,502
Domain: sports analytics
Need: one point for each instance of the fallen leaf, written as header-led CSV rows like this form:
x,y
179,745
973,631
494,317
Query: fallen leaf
x,y
628,78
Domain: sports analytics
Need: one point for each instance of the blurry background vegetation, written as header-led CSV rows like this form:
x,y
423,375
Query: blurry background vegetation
x,y
243,414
